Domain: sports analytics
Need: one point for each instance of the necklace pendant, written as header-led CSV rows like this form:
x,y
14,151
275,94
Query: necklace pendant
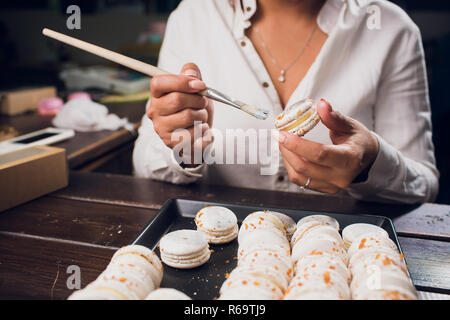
x,y
282,78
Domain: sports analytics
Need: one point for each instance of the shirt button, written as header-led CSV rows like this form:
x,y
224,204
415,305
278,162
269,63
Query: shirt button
x,y
265,85
249,9
243,43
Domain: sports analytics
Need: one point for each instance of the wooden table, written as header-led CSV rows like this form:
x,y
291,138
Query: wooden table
x,y
86,222
87,150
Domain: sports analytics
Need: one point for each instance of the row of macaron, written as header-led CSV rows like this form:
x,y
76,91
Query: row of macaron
x,y
320,261
371,265
264,261
378,270
134,273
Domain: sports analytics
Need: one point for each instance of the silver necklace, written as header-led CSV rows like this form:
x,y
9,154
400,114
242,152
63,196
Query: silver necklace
x,y
283,71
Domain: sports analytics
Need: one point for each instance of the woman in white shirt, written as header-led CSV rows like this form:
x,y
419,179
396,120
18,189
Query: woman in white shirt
x,y
364,59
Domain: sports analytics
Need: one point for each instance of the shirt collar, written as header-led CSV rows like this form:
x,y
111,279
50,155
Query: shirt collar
x,y
245,9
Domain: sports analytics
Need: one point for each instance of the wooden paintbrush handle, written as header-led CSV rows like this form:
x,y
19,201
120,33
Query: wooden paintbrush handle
x,y
131,63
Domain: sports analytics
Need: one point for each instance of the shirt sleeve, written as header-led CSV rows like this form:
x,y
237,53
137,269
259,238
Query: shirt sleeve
x,y
151,157
405,169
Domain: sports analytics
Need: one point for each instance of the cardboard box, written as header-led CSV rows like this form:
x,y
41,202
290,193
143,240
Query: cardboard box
x,y
22,100
31,173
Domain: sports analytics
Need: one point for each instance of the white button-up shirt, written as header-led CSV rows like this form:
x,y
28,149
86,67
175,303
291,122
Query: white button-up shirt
x,y
371,68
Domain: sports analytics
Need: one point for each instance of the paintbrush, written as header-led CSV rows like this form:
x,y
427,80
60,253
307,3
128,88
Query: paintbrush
x,y
151,71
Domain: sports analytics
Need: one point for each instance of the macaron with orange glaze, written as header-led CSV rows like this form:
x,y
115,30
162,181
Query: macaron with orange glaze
x,y
327,282
323,219
372,240
261,220
299,118
218,224
312,263
314,227
353,231
140,257
319,245
381,258
395,285
137,279
243,285
105,290
288,223
281,263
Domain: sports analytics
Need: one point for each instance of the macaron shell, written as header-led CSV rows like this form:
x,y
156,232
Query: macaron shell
x,y
289,224
135,278
221,239
116,288
266,272
216,219
142,257
391,281
292,113
174,262
371,240
257,286
318,246
243,292
311,294
183,243
281,264
140,262
309,264
321,218
376,257
321,279
353,231
167,294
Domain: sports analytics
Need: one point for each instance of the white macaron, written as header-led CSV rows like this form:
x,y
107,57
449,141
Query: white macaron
x,y
321,218
318,246
184,249
353,231
371,240
141,257
311,263
218,224
288,223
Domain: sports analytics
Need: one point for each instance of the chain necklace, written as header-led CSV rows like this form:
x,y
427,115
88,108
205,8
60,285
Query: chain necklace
x,y
283,71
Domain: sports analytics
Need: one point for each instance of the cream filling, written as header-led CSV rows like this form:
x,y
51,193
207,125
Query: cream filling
x,y
297,122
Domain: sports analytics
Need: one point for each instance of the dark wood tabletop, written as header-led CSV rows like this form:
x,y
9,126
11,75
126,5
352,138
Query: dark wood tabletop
x,y
85,146
85,223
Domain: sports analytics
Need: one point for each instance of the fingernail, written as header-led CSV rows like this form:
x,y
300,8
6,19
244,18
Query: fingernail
x,y
197,85
325,101
191,72
280,136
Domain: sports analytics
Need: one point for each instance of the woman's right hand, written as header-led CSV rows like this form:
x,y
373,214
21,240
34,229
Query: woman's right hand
x,y
175,104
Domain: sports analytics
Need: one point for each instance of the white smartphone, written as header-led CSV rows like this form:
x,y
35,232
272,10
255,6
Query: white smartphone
x,y
38,138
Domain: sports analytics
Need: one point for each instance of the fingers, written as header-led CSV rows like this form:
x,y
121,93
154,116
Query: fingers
x,y
185,118
315,184
164,84
176,101
306,167
325,155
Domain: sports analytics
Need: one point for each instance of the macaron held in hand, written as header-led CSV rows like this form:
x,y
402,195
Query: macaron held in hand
x,y
329,168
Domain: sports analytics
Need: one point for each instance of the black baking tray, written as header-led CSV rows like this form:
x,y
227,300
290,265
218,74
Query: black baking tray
x,y
204,282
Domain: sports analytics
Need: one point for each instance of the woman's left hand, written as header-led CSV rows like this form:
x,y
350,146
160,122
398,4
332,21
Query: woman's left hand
x,y
329,167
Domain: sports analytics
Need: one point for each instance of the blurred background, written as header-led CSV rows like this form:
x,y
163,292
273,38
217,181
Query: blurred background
x,y
136,28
